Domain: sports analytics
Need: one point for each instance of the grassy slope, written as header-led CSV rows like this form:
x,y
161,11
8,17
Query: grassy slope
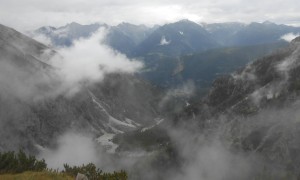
x,y
36,176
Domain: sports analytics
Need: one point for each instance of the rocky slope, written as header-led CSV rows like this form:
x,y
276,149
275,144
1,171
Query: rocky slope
x,y
32,113
256,110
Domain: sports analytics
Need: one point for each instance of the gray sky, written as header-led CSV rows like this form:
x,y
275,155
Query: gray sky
x,y
30,14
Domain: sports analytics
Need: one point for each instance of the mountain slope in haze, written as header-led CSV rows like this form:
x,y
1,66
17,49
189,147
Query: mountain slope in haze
x,y
27,50
125,36
223,31
239,34
252,115
175,39
22,61
262,75
259,33
32,115
256,110
202,68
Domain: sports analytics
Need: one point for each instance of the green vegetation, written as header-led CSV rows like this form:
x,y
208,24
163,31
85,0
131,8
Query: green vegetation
x,y
20,166
30,175
11,162
92,172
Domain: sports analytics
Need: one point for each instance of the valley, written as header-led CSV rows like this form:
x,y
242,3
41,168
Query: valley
x,y
178,101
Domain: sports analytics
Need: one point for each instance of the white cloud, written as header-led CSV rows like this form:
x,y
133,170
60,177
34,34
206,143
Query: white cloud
x,y
289,37
42,39
88,60
73,149
85,63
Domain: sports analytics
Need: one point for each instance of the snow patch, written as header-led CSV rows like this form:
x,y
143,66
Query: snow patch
x,y
158,121
163,41
114,124
187,104
94,99
106,141
129,121
115,121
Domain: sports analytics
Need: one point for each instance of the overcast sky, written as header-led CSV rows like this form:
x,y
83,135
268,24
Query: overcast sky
x,y
30,14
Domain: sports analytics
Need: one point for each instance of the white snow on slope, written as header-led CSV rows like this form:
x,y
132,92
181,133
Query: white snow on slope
x,y
164,41
114,121
158,121
106,142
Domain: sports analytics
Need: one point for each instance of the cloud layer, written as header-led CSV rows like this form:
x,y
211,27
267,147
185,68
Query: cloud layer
x,y
22,14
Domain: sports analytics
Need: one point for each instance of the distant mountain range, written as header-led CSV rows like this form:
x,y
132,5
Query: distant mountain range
x,y
65,35
164,49
203,67
172,39
176,39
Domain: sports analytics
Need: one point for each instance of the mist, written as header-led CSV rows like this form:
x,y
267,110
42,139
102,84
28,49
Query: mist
x,y
219,150
64,71
289,37
184,91
88,61
73,148
83,104
30,82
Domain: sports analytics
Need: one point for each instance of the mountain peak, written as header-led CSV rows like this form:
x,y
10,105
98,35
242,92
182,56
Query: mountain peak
x,y
186,21
74,24
267,22
46,29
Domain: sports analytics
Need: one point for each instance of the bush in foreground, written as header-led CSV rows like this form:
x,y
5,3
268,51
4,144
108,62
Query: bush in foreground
x,y
11,162
92,172
20,166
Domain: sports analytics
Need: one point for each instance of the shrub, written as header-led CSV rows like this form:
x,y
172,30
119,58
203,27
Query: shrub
x,y
94,173
11,162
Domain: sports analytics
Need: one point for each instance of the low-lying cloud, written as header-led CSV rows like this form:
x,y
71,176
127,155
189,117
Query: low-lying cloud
x,y
289,37
184,91
73,149
68,70
88,60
